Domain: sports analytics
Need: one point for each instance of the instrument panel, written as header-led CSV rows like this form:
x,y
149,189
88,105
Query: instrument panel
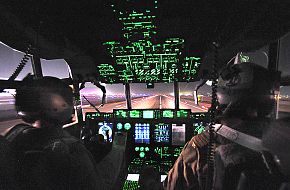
x,y
139,57
155,136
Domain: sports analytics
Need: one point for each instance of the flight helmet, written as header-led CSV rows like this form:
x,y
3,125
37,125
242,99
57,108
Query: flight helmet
x,y
246,85
46,99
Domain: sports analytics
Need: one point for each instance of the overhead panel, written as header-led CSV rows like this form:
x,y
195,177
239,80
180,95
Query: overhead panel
x,y
139,58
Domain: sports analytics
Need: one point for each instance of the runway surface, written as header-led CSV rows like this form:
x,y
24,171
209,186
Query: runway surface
x,y
151,102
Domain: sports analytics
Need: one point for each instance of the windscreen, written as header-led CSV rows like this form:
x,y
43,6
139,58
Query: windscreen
x,y
161,96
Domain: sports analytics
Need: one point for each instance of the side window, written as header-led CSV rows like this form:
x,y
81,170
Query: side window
x,y
284,56
56,68
284,66
284,102
9,60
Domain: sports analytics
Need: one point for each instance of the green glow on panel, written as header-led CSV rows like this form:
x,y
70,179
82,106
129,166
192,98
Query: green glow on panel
x,y
142,154
141,60
168,114
127,126
177,151
119,126
182,113
121,114
244,58
135,114
162,151
199,128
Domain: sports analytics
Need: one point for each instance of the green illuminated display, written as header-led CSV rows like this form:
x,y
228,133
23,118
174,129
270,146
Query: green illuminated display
x,y
190,68
163,152
168,114
121,114
131,185
244,58
177,151
148,114
182,113
135,114
140,59
92,115
199,128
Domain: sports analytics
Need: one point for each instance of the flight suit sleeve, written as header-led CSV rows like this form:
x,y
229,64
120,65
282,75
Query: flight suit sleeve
x,y
185,173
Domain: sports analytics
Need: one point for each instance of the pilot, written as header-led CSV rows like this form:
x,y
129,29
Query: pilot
x,y
49,157
245,101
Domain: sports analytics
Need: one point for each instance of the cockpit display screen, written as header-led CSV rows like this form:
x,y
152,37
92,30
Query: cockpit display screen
x,y
135,114
182,113
106,129
121,114
162,133
148,114
178,134
168,114
142,133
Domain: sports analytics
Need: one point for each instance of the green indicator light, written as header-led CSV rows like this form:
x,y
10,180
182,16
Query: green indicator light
x,y
137,149
146,149
168,114
142,149
142,154
127,126
119,126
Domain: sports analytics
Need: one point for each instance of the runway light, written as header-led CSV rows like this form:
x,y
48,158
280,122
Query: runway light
x,y
277,97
